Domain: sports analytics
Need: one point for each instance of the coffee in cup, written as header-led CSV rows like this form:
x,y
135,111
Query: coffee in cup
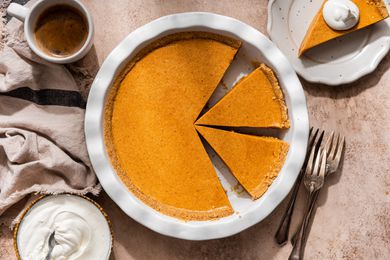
x,y
61,30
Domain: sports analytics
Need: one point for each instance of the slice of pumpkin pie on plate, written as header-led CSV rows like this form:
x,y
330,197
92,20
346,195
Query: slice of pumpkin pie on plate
x,y
255,161
255,101
341,17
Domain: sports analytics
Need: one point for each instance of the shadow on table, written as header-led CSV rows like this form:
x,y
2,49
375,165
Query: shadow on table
x,y
134,241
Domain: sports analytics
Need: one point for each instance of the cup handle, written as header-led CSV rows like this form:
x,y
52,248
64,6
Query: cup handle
x,y
18,11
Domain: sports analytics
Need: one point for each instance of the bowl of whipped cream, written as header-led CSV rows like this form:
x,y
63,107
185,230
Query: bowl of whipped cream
x,y
63,226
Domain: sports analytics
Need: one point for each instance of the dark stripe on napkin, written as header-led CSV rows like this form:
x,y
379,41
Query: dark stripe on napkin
x,y
48,97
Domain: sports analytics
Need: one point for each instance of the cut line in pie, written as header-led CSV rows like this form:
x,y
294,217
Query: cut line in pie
x,y
149,128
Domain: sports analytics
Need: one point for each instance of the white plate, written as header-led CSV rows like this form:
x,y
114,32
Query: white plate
x,y
338,62
256,47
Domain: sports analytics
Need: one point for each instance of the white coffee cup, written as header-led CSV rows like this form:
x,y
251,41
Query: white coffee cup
x,y
30,16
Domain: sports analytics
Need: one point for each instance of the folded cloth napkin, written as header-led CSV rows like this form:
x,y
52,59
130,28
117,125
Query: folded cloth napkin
x,y
42,146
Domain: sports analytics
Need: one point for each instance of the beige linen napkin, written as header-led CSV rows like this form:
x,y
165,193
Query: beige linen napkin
x,y
42,146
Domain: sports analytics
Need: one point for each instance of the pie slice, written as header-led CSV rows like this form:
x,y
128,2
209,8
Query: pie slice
x,y
256,101
254,161
371,12
149,125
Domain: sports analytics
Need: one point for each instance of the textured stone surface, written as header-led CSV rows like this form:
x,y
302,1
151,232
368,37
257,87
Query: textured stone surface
x,y
353,217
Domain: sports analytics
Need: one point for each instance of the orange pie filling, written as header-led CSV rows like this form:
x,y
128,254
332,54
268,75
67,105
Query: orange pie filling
x,y
371,12
150,135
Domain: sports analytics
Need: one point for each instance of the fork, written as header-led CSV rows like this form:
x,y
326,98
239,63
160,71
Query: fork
x,y
334,148
281,235
313,180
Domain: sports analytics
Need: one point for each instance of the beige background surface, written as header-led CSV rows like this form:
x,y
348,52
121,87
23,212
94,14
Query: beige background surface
x,y
353,217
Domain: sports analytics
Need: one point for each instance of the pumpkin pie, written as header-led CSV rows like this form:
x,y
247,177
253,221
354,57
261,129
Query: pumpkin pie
x,y
255,161
371,12
149,124
255,101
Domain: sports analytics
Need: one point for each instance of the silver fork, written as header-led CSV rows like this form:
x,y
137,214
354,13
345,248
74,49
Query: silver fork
x,y
281,235
334,148
313,180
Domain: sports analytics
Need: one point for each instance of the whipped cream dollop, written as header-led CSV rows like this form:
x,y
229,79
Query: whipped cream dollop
x,y
340,14
80,230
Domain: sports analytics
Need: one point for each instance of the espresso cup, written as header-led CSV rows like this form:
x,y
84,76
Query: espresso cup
x,y
30,17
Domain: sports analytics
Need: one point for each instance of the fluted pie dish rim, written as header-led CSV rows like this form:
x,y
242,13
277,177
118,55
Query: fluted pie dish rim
x,y
264,51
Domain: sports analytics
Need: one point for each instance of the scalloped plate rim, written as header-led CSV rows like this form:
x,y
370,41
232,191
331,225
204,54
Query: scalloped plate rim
x,y
194,230
337,81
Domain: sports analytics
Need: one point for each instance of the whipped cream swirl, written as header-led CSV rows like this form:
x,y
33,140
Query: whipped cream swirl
x,y
81,231
340,14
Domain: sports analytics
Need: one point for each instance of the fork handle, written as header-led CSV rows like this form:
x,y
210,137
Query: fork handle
x,y
299,245
281,235
294,237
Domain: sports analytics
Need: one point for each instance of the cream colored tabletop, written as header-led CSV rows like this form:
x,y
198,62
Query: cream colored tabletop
x,y
353,215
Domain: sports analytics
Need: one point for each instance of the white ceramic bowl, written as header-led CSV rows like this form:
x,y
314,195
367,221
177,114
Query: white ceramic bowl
x,y
51,206
256,47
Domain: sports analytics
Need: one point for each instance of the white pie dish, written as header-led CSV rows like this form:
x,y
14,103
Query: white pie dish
x,y
256,47
337,62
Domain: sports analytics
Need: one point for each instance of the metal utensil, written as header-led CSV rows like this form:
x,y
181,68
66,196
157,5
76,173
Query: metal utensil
x,y
335,146
313,180
52,243
281,235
